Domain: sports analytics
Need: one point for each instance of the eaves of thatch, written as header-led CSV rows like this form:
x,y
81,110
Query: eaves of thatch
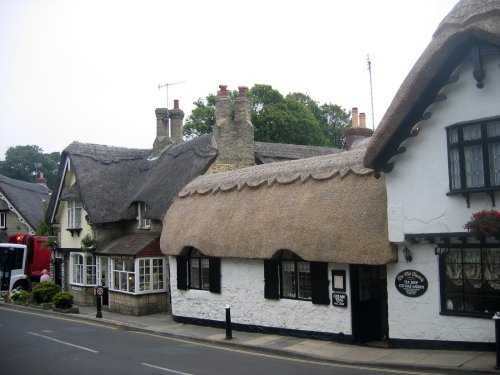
x,y
327,208
470,22
27,199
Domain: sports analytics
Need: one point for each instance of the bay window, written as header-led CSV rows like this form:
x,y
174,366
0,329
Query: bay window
x,y
138,276
83,269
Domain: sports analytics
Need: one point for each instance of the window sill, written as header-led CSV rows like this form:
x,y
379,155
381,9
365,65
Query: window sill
x,y
470,314
74,230
467,192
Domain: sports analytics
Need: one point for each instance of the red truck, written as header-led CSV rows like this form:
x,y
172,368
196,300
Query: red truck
x,y
37,257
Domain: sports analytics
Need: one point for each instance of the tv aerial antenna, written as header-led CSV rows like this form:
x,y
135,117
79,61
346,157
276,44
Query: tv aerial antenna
x,y
371,88
167,85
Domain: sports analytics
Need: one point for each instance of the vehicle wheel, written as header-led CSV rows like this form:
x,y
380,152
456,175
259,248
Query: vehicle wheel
x,y
22,284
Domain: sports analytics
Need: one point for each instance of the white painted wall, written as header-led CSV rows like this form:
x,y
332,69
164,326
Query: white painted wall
x,y
417,203
242,287
417,187
418,318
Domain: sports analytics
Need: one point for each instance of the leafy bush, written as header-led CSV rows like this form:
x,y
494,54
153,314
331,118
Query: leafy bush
x,y
18,296
63,300
45,292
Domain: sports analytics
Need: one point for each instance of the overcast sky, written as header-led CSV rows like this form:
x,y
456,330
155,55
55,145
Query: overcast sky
x,y
89,70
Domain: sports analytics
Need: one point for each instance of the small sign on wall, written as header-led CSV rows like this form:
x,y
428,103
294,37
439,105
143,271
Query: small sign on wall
x,y
411,283
339,299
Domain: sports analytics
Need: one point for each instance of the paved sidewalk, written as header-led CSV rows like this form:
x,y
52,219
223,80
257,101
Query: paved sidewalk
x,y
416,359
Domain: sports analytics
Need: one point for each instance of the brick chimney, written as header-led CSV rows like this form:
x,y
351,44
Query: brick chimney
x,y
176,116
162,139
233,136
358,132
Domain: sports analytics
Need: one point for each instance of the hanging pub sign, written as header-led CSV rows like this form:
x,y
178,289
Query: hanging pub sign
x,y
411,283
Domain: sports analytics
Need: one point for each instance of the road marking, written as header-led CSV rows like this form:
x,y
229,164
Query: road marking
x,y
380,369
63,342
165,369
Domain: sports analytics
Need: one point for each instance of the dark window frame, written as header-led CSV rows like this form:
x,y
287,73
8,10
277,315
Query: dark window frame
x,y
484,141
483,293
184,271
273,276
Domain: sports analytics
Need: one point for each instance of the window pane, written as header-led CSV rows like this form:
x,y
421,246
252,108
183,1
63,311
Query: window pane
x,y
304,280
195,273
453,135
205,274
494,156
288,273
472,132
474,174
455,169
493,128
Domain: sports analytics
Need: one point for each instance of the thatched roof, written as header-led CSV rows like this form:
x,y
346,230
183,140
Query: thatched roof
x,y
469,22
327,208
130,245
110,179
28,199
272,152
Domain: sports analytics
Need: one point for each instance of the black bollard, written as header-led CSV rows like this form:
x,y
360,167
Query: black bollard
x,y
98,296
229,334
496,318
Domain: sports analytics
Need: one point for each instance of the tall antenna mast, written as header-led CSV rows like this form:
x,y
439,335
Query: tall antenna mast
x,y
167,85
371,88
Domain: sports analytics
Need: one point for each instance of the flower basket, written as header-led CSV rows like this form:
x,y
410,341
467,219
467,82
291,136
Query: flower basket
x,y
484,224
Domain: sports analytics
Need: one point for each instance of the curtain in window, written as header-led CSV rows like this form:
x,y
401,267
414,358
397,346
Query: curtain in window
x,y
474,173
492,268
472,267
494,153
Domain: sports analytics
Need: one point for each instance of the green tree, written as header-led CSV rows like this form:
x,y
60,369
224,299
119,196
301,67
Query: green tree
x,y
296,118
23,162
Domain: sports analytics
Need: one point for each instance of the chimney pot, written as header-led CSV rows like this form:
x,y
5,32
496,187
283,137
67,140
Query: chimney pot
x,y
362,120
176,103
223,90
242,91
354,117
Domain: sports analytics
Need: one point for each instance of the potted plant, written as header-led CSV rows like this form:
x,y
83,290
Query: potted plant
x,y
484,223
88,242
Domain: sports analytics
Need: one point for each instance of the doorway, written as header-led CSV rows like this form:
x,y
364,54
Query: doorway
x,y
104,265
369,303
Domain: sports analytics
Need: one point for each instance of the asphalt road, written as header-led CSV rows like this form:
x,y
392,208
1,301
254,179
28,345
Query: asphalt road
x,y
39,344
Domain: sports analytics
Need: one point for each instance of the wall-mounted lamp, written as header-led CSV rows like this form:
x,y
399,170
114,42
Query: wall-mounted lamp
x,y
407,254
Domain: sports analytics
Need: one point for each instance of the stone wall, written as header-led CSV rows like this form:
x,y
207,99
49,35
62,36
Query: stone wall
x,y
138,305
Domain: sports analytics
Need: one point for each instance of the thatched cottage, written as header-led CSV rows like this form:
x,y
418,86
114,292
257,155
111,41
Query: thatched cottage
x,y
114,200
438,149
321,247
22,205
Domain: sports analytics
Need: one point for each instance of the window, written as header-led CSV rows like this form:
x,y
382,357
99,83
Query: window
x,y
474,156
151,274
3,220
144,222
83,269
123,272
470,281
289,276
197,271
74,214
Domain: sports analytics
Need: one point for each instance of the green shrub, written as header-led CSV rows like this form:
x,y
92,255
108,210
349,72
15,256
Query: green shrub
x,y
63,300
45,292
19,296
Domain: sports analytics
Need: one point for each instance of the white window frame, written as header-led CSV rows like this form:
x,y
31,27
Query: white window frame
x,y
143,222
148,275
3,220
75,214
83,272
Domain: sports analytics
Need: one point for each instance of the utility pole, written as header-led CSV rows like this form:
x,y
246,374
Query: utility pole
x,y
371,88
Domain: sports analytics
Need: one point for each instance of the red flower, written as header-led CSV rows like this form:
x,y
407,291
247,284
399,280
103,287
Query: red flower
x,y
484,223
